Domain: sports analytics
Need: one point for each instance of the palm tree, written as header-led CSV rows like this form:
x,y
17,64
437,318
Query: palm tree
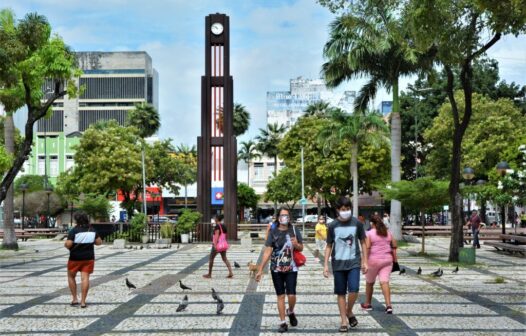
x,y
320,108
358,128
363,46
241,119
247,153
147,120
188,156
268,141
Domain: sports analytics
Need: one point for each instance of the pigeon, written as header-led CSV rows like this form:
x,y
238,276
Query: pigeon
x,y
36,251
438,272
455,270
183,287
419,271
236,265
402,271
177,246
182,306
129,284
141,247
252,251
215,296
220,306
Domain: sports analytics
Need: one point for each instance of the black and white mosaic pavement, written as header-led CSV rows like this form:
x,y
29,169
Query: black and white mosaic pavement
x,y
34,298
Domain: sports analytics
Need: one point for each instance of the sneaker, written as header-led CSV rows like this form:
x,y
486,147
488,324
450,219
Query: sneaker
x,y
388,310
283,328
292,318
366,306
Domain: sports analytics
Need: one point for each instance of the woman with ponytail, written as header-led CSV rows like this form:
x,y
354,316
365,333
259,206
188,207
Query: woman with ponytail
x,y
381,251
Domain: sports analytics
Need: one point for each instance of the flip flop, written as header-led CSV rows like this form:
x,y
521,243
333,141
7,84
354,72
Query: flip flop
x,y
353,322
230,276
73,304
83,306
343,328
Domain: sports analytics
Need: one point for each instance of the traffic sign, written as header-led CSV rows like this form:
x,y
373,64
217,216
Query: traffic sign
x,y
303,201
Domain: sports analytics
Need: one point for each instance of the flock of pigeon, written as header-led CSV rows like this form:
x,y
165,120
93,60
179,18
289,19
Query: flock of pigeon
x,y
438,273
184,303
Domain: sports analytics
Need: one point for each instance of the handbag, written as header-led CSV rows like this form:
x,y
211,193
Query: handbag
x,y
299,258
222,243
396,266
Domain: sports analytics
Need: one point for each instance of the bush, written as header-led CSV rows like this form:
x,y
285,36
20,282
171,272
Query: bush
x,y
187,221
137,225
167,230
97,207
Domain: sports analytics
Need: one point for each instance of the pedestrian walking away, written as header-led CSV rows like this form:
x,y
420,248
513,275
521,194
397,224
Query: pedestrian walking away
x,y
344,238
80,243
381,253
279,248
219,229
320,235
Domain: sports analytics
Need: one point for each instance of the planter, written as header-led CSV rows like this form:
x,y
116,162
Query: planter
x,y
467,255
145,239
185,237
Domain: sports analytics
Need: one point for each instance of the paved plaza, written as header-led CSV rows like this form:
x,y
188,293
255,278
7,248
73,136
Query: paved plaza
x,y
34,298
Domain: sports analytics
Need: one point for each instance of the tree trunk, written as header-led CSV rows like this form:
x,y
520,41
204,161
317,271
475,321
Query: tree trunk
x,y
396,143
354,174
423,220
248,173
9,241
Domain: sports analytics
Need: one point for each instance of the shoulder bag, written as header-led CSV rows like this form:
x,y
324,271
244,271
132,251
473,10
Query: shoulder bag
x,y
299,258
222,243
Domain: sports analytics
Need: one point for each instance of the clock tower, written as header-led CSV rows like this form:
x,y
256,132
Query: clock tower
x,y
216,147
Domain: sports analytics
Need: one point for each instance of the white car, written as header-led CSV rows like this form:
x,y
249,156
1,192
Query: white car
x,y
312,219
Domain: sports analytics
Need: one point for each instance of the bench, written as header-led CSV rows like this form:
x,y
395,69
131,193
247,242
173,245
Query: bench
x,y
24,236
507,247
516,239
48,233
431,230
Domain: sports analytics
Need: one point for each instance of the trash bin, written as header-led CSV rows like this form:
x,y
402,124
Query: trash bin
x,y
467,255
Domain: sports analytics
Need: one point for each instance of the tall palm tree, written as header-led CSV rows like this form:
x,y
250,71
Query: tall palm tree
x,y
358,128
268,141
247,153
189,157
365,46
241,119
147,120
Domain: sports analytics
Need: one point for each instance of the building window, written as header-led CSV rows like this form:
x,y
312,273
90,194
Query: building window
x,y
258,170
41,165
69,161
53,166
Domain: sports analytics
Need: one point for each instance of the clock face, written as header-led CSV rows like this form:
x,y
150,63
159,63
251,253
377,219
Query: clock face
x,y
217,28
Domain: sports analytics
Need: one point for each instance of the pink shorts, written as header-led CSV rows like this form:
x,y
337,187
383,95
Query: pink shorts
x,y
379,268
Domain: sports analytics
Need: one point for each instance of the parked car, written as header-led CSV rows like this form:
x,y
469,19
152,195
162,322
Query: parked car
x,y
312,219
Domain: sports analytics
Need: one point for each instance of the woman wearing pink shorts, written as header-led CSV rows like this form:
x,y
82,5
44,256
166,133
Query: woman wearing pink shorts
x,y
381,249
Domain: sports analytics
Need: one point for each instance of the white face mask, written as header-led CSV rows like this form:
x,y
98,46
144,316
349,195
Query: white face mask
x,y
345,214
284,219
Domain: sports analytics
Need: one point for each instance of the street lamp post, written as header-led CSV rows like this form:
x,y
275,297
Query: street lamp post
x,y
23,187
49,190
502,168
480,183
468,174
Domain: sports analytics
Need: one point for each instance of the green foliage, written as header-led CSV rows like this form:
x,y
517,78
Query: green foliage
x,y
241,119
33,182
96,206
138,225
246,196
495,127
167,230
165,169
108,159
187,221
145,118
269,138
285,188
422,194
67,186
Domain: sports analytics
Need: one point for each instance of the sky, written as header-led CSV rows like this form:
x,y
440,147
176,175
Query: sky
x,y
272,41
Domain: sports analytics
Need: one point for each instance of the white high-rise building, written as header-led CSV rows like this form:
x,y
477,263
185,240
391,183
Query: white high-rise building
x,y
285,107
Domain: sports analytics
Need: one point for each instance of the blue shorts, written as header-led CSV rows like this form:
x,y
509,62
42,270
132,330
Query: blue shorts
x,y
348,280
284,282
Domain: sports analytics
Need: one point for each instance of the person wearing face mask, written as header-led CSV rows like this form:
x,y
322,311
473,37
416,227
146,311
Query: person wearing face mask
x,y
281,242
321,235
344,238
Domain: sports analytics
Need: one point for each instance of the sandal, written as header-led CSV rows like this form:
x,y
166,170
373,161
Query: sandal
x,y
207,276
343,328
73,304
230,276
83,306
353,322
